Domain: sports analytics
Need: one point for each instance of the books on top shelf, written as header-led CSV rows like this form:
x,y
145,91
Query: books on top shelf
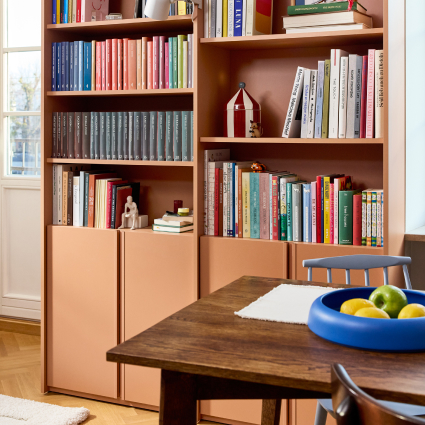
x,y
178,8
343,98
157,62
173,224
146,136
314,6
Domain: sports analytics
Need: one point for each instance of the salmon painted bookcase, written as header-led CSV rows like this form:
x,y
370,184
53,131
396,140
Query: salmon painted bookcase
x,y
101,287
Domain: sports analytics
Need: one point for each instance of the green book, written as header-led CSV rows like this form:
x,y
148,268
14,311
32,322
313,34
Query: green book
x,y
161,136
289,211
325,114
324,8
254,204
177,146
175,73
181,38
345,216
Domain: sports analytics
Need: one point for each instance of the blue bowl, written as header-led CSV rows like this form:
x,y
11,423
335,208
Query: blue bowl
x,y
326,321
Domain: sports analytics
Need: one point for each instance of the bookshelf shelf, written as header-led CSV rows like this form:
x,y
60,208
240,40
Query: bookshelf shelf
x,y
119,162
291,141
289,41
121,93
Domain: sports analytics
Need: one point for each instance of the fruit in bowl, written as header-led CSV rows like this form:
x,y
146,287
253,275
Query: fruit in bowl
x,y
355,304
389,299
412,311
372,312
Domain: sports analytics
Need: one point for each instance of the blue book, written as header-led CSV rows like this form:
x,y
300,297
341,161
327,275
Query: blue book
x,y
66,65
185,136
54,13
80,65
254,204
232,198
177,145
65,11
76,70
299,2
63,56
71,66
306,212
87,66
237,31
54,56
170,63
161,136
58,66
153,144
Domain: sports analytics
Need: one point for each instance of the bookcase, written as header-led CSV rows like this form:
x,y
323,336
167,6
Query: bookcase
x,y
100,287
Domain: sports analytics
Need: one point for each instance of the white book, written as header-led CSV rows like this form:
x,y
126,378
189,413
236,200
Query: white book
x,y
319,100
327,28
370,98
244,18
336,55
207,9
74,11
81,194
219,19
55,194
249,24
323,19
313,212
76,201
379,93
305,102
312,105
292,124
342,115
230,17
351,95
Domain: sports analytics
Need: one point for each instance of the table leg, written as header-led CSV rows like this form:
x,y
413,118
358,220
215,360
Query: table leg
x,y
270,414
178,399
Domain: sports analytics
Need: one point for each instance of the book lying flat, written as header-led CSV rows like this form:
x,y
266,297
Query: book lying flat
x,y
348,27
172,223
172,229
319,19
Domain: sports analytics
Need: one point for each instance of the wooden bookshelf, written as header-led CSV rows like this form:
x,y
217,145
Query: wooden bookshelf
x,y
291,141
119,162
122,93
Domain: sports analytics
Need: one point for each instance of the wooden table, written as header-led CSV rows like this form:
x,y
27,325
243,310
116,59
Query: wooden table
x,y
206,352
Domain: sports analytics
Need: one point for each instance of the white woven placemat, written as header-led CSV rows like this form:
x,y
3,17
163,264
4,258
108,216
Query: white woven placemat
x,y
285,303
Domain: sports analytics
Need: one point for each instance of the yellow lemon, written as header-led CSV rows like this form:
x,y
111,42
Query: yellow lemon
x,y
351,306
411,311
372,312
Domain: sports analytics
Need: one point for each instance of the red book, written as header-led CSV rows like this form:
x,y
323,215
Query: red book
x,y
357,219
132,64
220,206
275,221
162,62
150,73
109,200
370,101
155,63
92,194
108,64
167,67
114,64
119,64
319,209
216,199
78,17
363,100
125,62
98,65
122,194
332,212
103,65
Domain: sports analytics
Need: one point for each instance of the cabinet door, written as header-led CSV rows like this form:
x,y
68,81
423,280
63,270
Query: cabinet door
x,y
302,251
82,309
159,280
224,260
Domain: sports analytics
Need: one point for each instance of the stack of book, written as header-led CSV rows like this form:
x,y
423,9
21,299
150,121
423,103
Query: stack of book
x,y
90,198
315,16
279,205
173,224
123,64
147,136
343,98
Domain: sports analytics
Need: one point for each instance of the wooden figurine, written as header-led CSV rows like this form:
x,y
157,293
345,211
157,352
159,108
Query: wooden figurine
x,y
256,130
257,167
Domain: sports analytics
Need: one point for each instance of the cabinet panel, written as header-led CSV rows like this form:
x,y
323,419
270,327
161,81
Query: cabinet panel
x,y
82,309
304,413
303,251
159,280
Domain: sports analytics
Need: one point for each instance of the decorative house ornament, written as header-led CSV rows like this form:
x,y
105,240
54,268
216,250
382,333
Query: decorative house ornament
x,y
240,112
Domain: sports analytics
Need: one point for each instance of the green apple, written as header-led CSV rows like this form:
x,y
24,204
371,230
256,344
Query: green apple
x,y
390,299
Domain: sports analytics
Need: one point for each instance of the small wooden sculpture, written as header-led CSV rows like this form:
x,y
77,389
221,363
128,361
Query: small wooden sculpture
x,y
257,167
256,130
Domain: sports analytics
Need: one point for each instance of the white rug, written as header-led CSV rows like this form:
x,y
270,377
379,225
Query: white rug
x,y
285,303
17,411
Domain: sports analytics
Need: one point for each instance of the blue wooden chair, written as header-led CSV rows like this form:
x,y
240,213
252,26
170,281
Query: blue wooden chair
x,y
366,263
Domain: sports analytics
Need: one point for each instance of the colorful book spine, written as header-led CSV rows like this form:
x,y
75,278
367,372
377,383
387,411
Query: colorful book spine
x,y
144,62
170,63
275,207
364,218
319,100
313,212
332,213
175,63
167,65
103,48
370,101
326,90
119,64
357,219
264,207
378,218
374,218
98,65
289,210
185,66
87,66
63,67
180,38
155,62
327,210
93,65
125,63
114,64
58,66
71,66
345,222
237,23
161,58
369,219
297,213
246,203
132,65
363,101
150,64
76,65
254,196
307,215
216,201
54,55
108,64
139,64
161,135
319,209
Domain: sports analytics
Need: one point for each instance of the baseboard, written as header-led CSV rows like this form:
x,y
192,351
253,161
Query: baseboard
x,y
28,327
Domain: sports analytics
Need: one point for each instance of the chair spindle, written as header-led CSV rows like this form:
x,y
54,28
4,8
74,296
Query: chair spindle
x,y
347,277
366,277
329,275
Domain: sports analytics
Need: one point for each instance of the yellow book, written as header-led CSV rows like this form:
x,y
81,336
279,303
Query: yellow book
x,y
246,216
69,11
327,210
225,2
58,12
181,7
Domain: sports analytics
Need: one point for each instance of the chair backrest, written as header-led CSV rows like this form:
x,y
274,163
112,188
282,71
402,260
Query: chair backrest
x,y
359,262
352,406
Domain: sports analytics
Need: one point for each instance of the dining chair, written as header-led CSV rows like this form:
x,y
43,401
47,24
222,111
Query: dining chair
x,y
354,407
366,263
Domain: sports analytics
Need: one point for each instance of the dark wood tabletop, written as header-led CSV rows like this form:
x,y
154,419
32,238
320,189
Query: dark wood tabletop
x,y
207,338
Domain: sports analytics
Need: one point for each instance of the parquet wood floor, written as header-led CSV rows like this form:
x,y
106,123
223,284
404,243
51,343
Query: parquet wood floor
x,y
20,377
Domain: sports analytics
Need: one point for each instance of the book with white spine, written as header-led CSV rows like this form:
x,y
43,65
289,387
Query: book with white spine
x,y
336,55
76,201
327,28
230,17
219,19
312,105
370,98
249,17
244,17
81,193
305,102
323,19
319,100
292,124
343,84
379,93
207,9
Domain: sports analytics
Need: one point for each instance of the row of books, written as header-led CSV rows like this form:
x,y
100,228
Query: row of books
x,y
236,18
280,206
344,98
90,198
122,64
147,136
72,11
179,8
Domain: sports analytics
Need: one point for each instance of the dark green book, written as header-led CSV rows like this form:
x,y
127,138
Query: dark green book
x,y
177,145
324,8
153,147
121,135
108,135
137,137
145,135
102,135
345,216
96,136
161,136
125,133
92,131
114,135
131,135
169,136
185,135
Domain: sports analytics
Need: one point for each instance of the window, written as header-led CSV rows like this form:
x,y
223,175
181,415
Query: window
x,y
21,51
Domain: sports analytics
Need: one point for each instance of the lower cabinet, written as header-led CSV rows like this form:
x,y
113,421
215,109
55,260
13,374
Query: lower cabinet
x,y
158,279
82,309
303,412
224,260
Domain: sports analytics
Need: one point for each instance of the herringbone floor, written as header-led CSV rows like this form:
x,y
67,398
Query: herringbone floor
x,y
20,377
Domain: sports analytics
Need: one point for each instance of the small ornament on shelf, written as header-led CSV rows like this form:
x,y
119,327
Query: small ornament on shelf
x,y
256,129
132,217
257,167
